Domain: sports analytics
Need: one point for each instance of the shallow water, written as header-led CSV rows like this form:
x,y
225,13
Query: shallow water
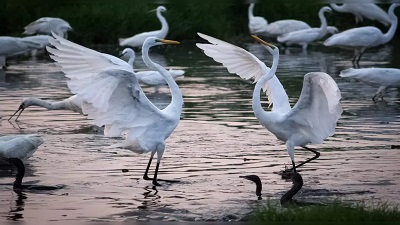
x,y
217,140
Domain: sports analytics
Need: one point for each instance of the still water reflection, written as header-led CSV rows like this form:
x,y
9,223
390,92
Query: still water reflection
x,y
217,140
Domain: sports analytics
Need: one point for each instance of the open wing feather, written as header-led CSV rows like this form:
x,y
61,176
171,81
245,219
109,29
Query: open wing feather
x,y
108,86
318,108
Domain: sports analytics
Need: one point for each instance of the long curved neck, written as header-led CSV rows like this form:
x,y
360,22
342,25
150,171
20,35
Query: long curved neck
x,y
177,99
256,103
392,30
164,24
336,7
297,185
323,28
131,55
47,104
250,11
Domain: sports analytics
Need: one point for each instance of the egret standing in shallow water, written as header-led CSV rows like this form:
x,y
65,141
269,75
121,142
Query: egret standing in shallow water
x,y
73,103
306,36
361,38
113,97
257,24
15,148
383,78
138,39
312,119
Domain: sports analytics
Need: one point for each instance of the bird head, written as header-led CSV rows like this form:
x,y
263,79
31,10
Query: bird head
x,y
159,9
326,9
153,41
270,47
25,104
127,51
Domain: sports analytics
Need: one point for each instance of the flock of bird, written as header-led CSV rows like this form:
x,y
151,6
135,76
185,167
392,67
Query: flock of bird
x,y
107,89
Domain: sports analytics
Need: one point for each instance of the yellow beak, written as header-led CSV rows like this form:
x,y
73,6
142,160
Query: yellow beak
x,y
262,41
171,42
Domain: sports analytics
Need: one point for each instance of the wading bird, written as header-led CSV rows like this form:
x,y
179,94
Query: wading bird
x,y
150,77
12,46
73,103
138,39
383,78
46,25
287,198
312,119
306,36
121,105
257,24
361,38
361,10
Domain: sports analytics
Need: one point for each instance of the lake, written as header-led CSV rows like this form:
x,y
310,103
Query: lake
x,y
217,140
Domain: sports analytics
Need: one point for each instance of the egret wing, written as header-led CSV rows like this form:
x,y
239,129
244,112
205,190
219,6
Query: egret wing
x,y
246,65
108,87
318,108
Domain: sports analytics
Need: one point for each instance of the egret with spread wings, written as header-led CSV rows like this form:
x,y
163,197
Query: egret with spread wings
x,y
113,97
312,119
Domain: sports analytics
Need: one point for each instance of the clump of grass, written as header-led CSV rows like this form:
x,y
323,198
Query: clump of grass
x,y
334,213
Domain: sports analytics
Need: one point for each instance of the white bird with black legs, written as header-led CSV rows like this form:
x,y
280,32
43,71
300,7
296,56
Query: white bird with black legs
x,y
73,103
311,120
306,36
382,78
113,97
150,77
361,38
138,39
257,24
46,25
364,10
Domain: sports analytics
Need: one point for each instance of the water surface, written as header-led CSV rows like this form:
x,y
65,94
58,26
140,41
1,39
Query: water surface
x,y
217,140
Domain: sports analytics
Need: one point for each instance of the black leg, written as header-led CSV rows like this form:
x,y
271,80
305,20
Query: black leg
x,y
145,176
317,154
155,183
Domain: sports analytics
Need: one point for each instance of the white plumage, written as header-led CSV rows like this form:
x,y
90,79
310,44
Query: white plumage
x,y
311,120
383,78
11,46
19,146
41,40
73,103
257,24
46,25
306,36
138,39
113,97
150,77
361,10
361,38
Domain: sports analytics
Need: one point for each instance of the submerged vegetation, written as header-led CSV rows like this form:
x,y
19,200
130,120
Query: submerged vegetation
x,y
104,21
333,213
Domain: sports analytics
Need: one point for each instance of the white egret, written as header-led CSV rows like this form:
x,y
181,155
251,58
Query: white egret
x,y
383,78
287,198
306,36
138,39
312,119
46,25
361,38
150,77
257,24
19,146
12,46
121,105
41,40
361,10
73,103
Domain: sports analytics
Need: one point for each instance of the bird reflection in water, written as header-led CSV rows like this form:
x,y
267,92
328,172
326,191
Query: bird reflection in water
x,y
150,197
